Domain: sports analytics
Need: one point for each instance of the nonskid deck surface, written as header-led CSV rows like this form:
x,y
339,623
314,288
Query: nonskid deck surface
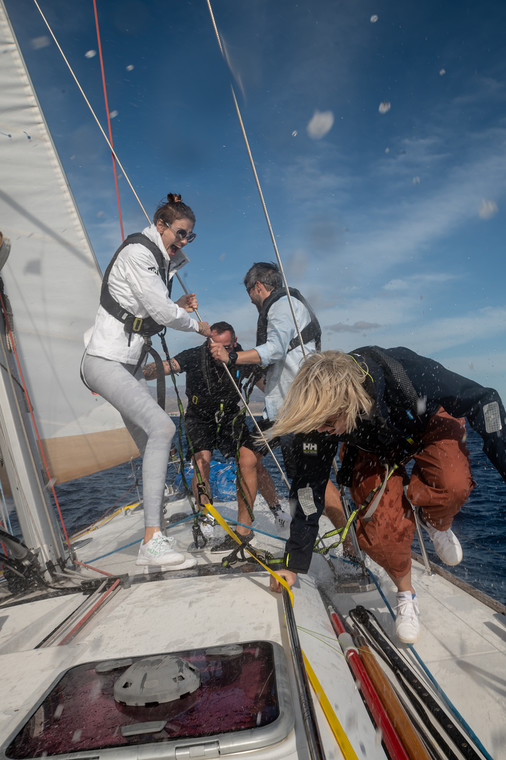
x,y
167,612
462,642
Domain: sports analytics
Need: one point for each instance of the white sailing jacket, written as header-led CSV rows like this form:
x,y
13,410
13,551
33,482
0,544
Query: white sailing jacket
x,y
135,284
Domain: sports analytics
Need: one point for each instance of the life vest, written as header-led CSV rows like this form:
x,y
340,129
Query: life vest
x,y
393,440
312,331
145,326
210,390
396,376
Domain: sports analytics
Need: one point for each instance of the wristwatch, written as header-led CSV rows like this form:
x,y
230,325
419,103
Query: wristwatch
x,y
232,358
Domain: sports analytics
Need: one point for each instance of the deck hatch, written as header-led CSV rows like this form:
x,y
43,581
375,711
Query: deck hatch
x,y
242,703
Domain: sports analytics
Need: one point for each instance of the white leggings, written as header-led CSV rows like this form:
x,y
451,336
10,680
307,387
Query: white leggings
x,y
149,425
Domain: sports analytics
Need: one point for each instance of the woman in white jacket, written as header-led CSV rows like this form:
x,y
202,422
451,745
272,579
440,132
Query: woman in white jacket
x,y
135,303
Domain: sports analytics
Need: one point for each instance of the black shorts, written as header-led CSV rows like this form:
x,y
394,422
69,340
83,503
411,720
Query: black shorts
x,y
228,435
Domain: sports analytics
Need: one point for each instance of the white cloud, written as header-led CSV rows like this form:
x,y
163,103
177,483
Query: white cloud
x,y
418,281
320,124
487,209
38,43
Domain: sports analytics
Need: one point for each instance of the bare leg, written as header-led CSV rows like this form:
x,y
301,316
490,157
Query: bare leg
x,y
202,460
333,507
266,485
403,583
334,511
249,481
150,531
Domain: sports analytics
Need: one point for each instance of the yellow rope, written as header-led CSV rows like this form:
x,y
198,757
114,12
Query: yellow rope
x,y
103,520
234,535
337,729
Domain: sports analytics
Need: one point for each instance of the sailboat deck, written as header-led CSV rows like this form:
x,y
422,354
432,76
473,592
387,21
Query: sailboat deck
x,y
462,642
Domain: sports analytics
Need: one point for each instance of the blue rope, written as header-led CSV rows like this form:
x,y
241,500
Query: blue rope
x,y
263,532
134,543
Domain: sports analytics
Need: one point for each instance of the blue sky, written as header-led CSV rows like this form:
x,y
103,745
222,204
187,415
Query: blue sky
x,y
378,131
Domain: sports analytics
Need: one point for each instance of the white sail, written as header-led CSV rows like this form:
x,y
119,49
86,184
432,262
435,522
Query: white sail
x,y
52,280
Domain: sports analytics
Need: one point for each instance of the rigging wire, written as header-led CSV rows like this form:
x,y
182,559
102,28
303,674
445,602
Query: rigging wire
x,y
104,86
257,182
276,250
91,109
109,142
344,501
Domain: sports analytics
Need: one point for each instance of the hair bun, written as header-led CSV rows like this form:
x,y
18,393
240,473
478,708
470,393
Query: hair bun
x,y
173,198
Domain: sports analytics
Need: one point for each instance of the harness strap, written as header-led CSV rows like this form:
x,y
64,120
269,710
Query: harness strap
x,y
141,325
312,331
370,504
160,374
395,371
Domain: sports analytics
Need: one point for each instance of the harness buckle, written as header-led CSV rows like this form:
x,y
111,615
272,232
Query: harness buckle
x,y
137,324
219,414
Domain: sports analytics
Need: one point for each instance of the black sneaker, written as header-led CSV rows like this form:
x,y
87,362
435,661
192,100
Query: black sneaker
x,y
228,544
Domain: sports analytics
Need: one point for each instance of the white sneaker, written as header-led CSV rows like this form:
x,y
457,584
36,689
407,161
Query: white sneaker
x,y
282,519
407,625
446,544
159,551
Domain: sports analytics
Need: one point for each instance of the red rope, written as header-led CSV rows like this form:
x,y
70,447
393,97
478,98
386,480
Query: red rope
x,y
96,569
108,118
82,622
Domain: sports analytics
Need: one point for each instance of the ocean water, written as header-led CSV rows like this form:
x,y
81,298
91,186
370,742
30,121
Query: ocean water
x,y
480,525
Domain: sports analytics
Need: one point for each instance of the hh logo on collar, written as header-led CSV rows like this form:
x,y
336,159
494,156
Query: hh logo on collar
x,y
310,448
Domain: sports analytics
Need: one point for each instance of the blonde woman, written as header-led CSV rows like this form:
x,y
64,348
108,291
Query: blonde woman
x,y
388,406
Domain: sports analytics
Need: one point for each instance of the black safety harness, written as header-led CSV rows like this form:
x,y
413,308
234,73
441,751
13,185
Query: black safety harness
x,y
144,326
312,331
408,399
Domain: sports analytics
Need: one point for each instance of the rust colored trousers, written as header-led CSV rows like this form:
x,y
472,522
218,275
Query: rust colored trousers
x,y
440,484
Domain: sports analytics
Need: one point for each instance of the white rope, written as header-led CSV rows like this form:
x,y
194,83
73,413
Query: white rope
x,y
257,182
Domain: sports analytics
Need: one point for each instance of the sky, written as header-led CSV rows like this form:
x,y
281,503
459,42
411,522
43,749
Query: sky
x,y
377,130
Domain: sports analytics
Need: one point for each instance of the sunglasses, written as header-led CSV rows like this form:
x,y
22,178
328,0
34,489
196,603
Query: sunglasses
x,y
182,234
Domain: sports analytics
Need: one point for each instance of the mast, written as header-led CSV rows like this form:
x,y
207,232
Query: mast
x,y
19,450
52,281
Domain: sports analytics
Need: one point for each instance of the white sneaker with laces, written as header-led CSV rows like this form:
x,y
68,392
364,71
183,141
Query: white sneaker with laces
x,y
446,544
159,552
407,625
282,519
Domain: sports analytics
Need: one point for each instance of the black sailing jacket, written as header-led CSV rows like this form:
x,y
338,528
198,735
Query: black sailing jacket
x,y
407,398
407,390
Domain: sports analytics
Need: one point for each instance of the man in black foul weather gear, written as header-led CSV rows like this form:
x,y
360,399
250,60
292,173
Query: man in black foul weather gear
x,y
389,406
213,420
